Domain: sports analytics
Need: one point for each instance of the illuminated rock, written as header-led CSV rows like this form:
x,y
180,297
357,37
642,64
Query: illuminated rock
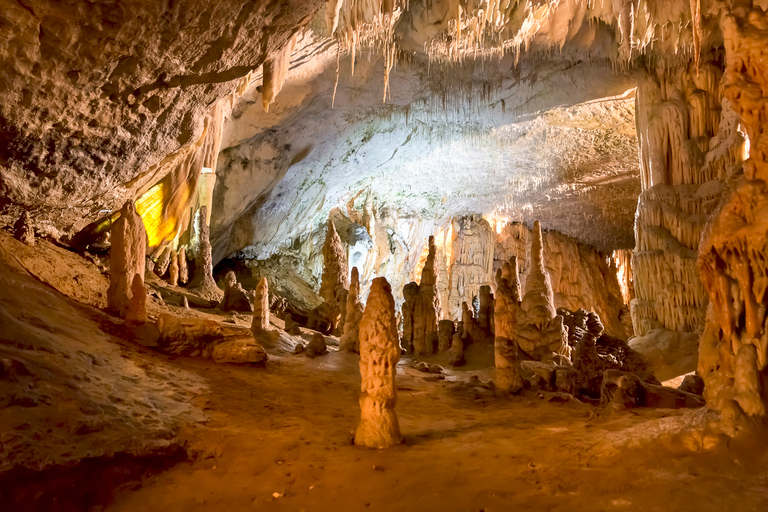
x,y
506,311
183,268
235,297
126,295
350,340
173,270
203,282
260,323
335,277
379,353
410,292
426,309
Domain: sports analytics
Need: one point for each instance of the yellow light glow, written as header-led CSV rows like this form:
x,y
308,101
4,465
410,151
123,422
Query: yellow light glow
x,y
150,206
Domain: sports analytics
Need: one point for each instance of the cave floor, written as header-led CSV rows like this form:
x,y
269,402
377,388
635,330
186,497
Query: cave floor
x,y
279,437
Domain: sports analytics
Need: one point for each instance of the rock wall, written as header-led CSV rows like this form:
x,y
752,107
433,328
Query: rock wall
x,y
471,264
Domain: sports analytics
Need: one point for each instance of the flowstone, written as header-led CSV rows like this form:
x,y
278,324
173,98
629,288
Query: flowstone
x,y
379,353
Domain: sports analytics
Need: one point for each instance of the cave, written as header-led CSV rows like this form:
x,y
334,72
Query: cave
x,y
383,255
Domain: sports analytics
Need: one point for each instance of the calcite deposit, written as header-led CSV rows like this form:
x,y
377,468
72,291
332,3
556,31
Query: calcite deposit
x,y
203,281
126,296
540,331
23,230
379,353
260,323
235,297
507,309
335,279
350,340
426,308
410,292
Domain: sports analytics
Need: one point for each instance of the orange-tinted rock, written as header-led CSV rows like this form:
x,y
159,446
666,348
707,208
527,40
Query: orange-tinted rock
x,y
127,260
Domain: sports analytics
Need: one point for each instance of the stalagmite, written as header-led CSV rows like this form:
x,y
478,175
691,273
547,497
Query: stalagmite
x,y
457,351
410,292
173,271
335,277
260,321
161,266
203,281
445,330
23,229
235,297
471,261
506,312
540,330
126,296
426,309
379,353
183,268
485,314
350,340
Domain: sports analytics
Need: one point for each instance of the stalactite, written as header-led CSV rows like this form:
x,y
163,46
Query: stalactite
x,y
275,68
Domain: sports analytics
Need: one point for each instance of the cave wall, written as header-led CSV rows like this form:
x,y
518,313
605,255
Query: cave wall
x,y
100,99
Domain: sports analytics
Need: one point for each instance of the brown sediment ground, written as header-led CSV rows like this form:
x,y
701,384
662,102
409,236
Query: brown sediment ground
x,y
279,438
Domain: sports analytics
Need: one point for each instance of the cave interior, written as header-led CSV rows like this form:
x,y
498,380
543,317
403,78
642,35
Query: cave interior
x,y
384,255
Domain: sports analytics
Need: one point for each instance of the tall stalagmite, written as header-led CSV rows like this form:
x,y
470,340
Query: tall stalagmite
x,y
203,281
506,312
173,271
540,329
335,278
261,307
410,292
126,295
426,310
183,269
379,353
350,340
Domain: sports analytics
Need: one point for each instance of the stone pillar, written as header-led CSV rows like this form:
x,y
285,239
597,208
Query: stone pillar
x,y
379,353
261,307
350,340
427,307
126,266
410,292
203,280
335,276
183,269
540,330
161,267
445,330
173,273
506,310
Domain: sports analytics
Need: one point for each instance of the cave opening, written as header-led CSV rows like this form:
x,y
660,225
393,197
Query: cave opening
x,y
383,254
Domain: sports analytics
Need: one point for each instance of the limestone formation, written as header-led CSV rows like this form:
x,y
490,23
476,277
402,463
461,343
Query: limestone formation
x,y
335,277
126,296
291,327
173,271
260,323
410,292
239,351
161,266
506,312
426,310
485,313
379,353
316,347
626,390
235,297
23,230
540,330
472,261
350,340
183,268
203,281
445,331
457,356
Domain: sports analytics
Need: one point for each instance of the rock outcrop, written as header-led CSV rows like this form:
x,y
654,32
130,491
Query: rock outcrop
x,y
379,353
260,323
126,296
410,292
350,340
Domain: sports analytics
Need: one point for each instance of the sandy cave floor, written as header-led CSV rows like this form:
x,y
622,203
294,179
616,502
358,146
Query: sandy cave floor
x,y
279,438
